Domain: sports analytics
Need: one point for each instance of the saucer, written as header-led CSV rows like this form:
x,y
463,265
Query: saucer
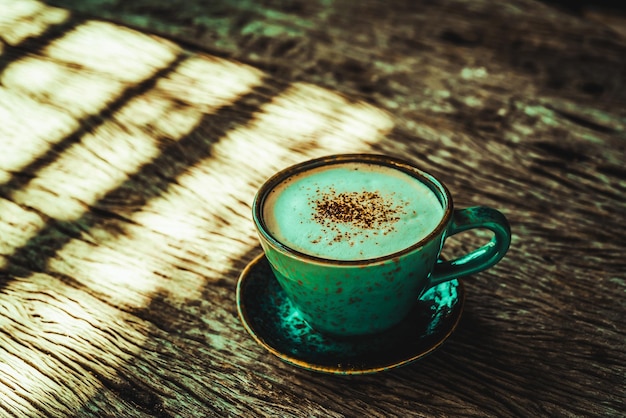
x,y
275,324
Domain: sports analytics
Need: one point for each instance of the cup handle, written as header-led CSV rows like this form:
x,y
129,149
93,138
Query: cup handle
x,y
481,258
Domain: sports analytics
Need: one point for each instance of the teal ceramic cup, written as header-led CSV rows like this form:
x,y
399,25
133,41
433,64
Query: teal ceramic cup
x,y
365,295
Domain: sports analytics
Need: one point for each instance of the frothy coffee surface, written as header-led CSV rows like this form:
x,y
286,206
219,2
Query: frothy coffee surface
x,y
351,211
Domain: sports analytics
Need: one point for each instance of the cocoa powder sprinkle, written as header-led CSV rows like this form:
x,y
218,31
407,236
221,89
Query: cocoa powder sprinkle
x,y
365,210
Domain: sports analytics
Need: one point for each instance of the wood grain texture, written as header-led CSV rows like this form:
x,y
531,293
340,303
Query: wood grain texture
x,y
125,202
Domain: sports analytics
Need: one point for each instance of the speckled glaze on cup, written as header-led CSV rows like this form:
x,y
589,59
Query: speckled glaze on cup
x,y
357,297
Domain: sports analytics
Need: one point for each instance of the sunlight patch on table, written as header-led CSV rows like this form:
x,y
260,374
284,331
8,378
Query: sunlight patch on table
x,y
208,83
89,67
113,52
86,171
64,88
22,19
135,135
27,130
43,97
330,121
194,231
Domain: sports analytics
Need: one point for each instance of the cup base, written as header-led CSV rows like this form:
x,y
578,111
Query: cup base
x,y
273,322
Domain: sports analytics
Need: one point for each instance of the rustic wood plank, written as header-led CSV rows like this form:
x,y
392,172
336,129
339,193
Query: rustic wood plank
x,y
125,219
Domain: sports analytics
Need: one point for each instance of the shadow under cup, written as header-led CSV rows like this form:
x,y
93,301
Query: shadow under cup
x,y
364,296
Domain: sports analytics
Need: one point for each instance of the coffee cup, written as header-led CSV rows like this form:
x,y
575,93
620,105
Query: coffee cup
x,y
355,239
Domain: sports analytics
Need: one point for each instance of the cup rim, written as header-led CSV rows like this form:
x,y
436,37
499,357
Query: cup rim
x,y
442,192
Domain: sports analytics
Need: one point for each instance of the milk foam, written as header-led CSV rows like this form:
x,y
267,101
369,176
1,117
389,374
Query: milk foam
x,y
351,211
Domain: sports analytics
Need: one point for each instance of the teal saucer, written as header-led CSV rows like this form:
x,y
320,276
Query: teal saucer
x,y
275,324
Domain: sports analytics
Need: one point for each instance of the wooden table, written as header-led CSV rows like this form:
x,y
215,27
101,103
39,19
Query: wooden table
x,y
134,135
